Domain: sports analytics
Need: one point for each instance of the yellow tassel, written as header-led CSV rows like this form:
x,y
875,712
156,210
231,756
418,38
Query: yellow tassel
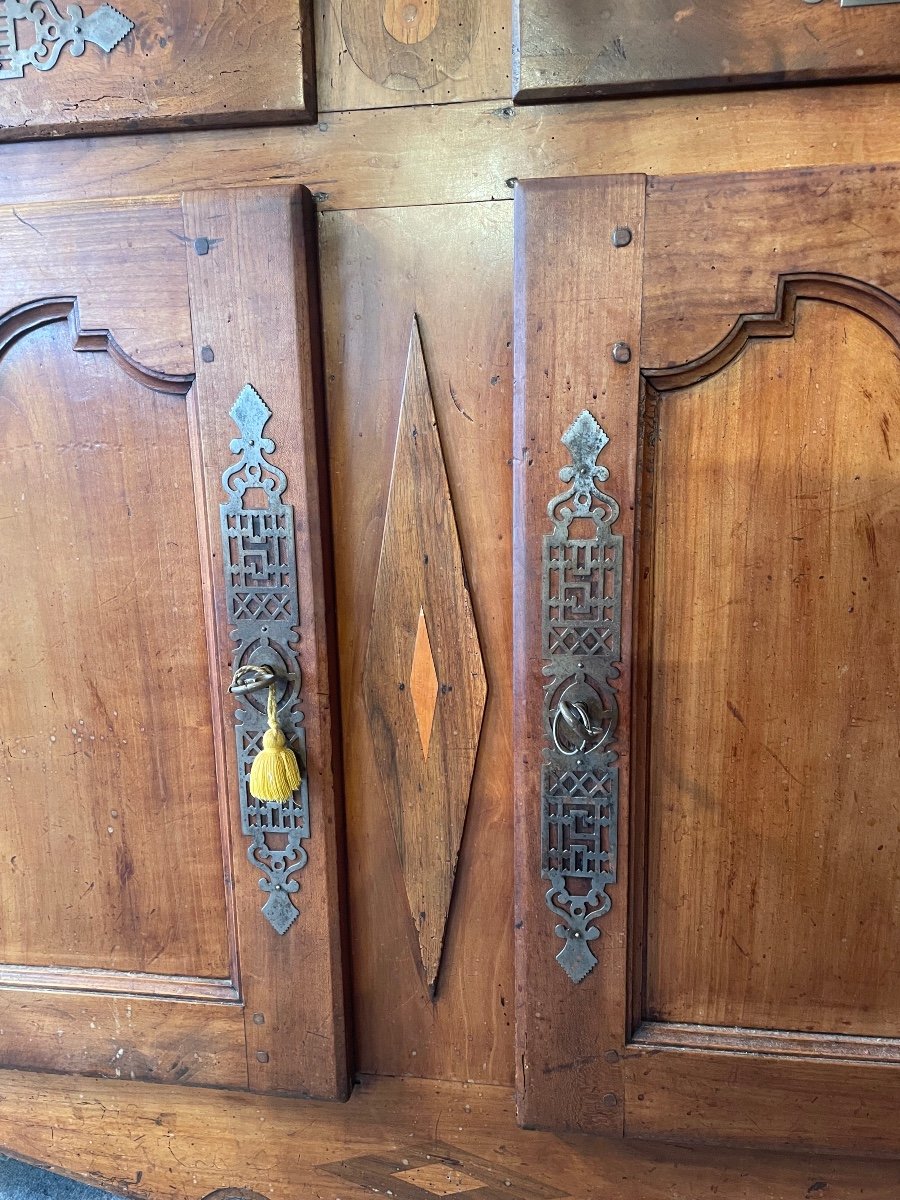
x,y
275,774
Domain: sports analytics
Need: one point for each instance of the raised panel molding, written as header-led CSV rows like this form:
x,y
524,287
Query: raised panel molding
x,y
75,69
424,679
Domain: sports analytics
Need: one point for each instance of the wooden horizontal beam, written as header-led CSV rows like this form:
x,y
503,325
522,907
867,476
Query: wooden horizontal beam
x,y
191,1142
453,153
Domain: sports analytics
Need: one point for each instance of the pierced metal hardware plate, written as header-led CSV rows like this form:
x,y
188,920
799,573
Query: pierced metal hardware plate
x,y
263,612
51,32
581,634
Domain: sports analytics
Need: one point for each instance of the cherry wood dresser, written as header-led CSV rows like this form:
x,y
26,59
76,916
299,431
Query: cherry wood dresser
x,y
513,390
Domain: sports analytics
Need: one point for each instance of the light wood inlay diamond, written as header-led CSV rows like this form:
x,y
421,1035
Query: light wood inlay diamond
x,y
424,679
440,1180
423,684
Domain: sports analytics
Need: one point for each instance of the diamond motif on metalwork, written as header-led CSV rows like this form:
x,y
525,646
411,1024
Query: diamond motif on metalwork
x,y
582,638
50,33
263,612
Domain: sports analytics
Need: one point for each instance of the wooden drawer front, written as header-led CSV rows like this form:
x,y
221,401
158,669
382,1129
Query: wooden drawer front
x,y
152,64
633,46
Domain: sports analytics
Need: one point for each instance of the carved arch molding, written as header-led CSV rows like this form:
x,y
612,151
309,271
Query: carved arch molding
x,y
872,302
579,810
37,313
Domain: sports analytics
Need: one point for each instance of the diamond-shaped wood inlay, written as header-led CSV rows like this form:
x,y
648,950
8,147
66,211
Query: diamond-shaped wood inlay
x,y
424,679
440,1180
423,684
424,1172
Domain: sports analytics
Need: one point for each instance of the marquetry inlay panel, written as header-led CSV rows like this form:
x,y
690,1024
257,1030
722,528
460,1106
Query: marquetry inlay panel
x,y
425,1172
424,681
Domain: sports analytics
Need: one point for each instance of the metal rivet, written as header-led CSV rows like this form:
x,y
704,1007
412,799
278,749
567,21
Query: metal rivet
x,y
201,245
611,1056
207,354
261,1056
610,1100
621,352
621,236
259,1019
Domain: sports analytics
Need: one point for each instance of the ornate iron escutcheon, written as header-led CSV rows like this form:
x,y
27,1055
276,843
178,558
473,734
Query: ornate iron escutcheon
x,y
50,32
263,611
581,638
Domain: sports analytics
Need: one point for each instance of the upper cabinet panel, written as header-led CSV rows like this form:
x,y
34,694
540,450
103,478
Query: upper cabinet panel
x,y
586,49
67,69
392,53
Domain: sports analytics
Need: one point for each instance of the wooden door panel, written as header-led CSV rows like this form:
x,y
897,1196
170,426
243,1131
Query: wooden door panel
x,y
134,942
774,711
254,313
102,568
77,1031
72,250
636,46
743,1099
752,995
382,272
152,64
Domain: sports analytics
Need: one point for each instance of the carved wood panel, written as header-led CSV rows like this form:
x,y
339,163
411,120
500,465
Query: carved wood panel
x,y
451,266
383,53
755,996
424,679
152,64
135,946
582,48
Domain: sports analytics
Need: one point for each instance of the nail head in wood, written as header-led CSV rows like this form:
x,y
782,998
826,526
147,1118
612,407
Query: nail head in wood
x,y
621,352
621,236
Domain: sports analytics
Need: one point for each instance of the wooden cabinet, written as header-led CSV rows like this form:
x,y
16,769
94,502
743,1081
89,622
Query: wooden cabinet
x,y
163,525
732,336
706,644
152,64
638,46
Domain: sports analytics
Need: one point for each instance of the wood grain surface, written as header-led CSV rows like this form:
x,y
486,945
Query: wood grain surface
x,y
99,609
746,1099
253,306
424,677
385,53
75,250
705,271
639,46
576,295
459,152
186,63
195,1142
773,898
124,951
451,267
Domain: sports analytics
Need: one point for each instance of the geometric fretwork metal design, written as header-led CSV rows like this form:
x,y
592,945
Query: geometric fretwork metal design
x,y
263,613
582,639
34,33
